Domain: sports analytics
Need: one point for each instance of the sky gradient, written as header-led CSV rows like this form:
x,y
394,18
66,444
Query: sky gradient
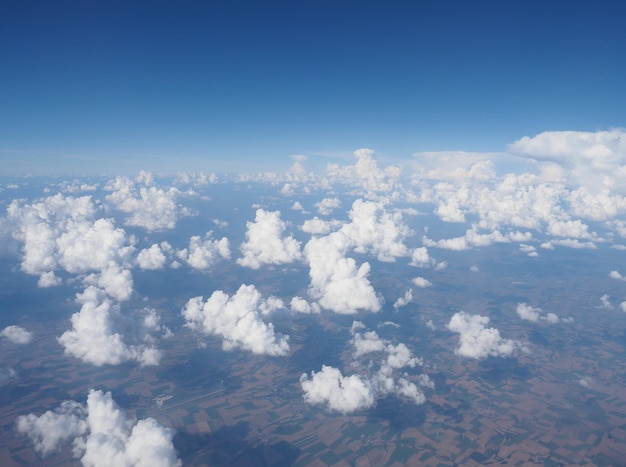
x,y
91,88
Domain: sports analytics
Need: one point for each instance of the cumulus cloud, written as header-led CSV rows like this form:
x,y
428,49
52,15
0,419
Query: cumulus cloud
x,y
327,206
421,259
95,337
476,340
596,160
617,276
606,303
300,305
205,252
374,230
379,375
340,393
265,243
365,173
317,226
527,312
62,232
237,319
147,205
421,282
102,434
336,281
153,257
17,335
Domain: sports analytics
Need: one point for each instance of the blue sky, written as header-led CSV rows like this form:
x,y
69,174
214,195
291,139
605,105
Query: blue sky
x,y
93,87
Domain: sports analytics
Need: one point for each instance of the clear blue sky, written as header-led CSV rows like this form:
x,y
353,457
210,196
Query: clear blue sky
x,y
107,85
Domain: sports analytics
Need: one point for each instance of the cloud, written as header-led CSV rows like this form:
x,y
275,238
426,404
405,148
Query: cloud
x,y
421,259
379,375
527,312
606,303
593,159
339,393
317,226
94,337
300,305
153,257
617,276
265,244
365,173
102,434
17,335
147,206
421,282
336,281
62,233
375,231
327,206
238,320
403,301
204,253
478,341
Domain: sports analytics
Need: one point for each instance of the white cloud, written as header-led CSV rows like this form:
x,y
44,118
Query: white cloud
x,y
593,159
421,282
300,305
317,226
606,303
374,230
297,206
478,341
49,279
102,434
338,392
365,173
147,206
237,319
153,257
17,335
336,281
527,312
265,243
616,275
421,259
403,301
204,253
94,338
327,206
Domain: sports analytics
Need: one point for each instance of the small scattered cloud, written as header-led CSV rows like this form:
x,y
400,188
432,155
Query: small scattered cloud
x,y
478,341
17,335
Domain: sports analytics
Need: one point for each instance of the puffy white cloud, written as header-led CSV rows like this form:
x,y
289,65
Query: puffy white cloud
x,y
153,257
365,173
238,320
300,305
593,159
265,244
336,281
338,392
114,280
147,206
379,376
374,230
204,253
403,301
527,312
102,434
478,341
297,206
473,239
327,205
530,250
54,427
617,276
94,338
17,335
421,282
421,259
62,232
317,226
